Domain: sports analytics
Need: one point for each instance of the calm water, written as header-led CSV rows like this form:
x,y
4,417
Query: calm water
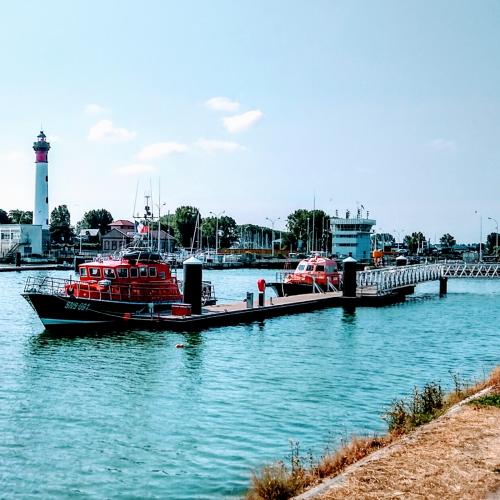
x,y
127,415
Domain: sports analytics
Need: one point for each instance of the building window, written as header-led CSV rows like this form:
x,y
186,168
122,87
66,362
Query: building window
x,y
113,245
106,245
46,178
46,199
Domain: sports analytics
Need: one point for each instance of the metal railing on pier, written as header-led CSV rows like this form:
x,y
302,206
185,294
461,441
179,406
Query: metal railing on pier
x,y
388,279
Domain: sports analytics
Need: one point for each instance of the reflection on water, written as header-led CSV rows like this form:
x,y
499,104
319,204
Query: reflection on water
x,y
97,412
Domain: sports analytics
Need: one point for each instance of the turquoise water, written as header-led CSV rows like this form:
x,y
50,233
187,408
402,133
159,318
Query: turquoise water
x,y
127,415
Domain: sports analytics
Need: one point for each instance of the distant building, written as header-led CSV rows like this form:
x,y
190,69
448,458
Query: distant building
x,y
116,239
23,238
123,225
90,235
351,236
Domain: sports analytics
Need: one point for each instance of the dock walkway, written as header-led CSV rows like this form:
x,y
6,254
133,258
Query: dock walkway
x,y
226,314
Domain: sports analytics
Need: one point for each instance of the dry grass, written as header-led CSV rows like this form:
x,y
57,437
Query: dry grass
x,y
457,457
451,457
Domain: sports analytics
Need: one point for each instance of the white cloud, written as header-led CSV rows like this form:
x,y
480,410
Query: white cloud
x,y
160,149
135,168
443,145
213,145
103,131
239,123
94,109
222,104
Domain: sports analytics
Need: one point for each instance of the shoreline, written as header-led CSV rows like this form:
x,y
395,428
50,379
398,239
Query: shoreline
x,y
454,455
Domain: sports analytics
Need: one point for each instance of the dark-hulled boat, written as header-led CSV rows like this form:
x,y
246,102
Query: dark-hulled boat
x,y
314,274
111,290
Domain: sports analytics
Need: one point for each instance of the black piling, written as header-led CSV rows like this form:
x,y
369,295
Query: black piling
x,y
443,286
18,259
349,287
261,285
192,284
77,261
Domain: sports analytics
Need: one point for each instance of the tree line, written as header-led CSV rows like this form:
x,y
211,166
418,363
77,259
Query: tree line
x,y
306,230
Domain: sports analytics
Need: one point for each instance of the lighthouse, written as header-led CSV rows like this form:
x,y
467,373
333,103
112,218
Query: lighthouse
x,y
41,212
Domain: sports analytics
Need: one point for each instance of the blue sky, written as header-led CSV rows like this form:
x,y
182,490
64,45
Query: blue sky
x,y
392,105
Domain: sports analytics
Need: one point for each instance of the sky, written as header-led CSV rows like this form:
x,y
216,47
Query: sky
x,y
258,108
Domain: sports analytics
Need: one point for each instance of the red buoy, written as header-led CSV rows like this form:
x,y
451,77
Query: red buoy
x,y
261,285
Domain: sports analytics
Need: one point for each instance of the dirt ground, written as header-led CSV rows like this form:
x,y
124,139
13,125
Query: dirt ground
x,y
454,457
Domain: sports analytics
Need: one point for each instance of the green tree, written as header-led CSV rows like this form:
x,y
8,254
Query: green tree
x,y
447,240
492,244
95,219
414,241
184,224
60,225
227,228
21,216
301,223
382,240
4,218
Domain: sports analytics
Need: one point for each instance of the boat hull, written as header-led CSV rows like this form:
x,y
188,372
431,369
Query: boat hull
x,y
60,310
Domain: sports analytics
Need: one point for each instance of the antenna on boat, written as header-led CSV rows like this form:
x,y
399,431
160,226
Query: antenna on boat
x,y
135,200
159,215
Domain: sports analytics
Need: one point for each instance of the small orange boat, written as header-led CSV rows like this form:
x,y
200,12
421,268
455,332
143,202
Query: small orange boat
x,y
313,274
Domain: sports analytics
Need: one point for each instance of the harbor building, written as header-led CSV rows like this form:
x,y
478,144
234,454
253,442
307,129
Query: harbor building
x,y
28,239
23,238
351,236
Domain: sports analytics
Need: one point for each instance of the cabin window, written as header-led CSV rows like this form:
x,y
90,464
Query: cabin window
x,y
109,273
309,267
133,272
143,271
83,272
94,272
152,272
301,267
320,269
161,275
122,272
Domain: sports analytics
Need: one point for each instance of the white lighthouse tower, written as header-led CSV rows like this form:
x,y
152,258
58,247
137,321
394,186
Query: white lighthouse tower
x,y
41,212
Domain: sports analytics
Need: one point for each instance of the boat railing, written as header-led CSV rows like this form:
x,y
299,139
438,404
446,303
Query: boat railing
x,y
281,275
207,292
48,285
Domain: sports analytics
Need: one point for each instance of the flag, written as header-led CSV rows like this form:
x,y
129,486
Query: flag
x,y
142,229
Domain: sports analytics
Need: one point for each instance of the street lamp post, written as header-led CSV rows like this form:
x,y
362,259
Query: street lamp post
x,y
217,230
496,235
480,236
272,233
